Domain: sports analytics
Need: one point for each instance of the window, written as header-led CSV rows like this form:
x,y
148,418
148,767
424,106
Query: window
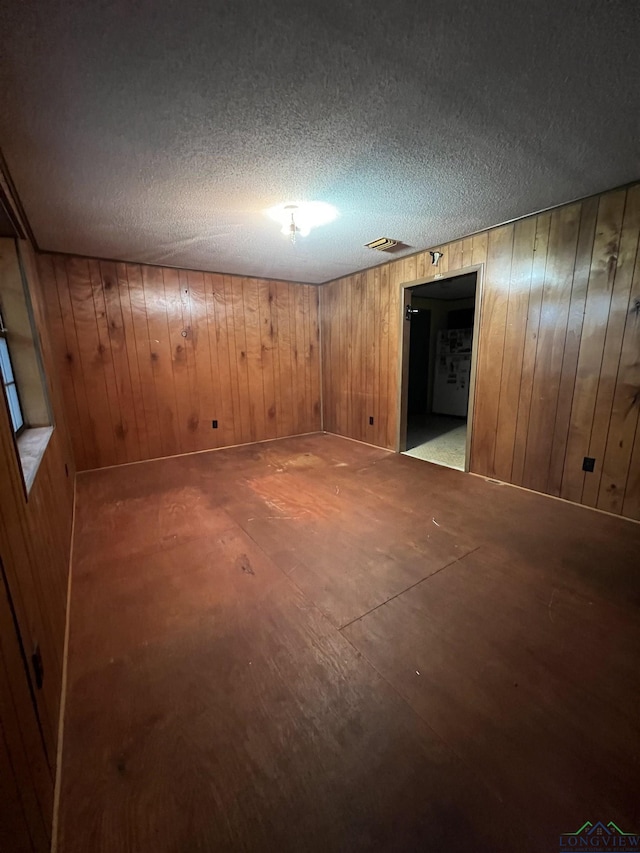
x,y
9,382
23,381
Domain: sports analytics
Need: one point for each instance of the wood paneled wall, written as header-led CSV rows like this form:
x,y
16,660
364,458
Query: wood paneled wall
x,y
26,780
558,361
149,357
359,321
35,542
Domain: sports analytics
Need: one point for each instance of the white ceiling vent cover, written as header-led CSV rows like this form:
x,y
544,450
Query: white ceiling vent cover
x,y
382,244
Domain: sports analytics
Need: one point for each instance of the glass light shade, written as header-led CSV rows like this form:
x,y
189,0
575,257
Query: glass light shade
x,y
306,215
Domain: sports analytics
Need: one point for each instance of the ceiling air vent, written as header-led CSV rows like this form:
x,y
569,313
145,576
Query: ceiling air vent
x,y
382,244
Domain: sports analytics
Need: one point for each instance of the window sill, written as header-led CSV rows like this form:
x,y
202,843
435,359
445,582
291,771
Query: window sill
x,y
32,444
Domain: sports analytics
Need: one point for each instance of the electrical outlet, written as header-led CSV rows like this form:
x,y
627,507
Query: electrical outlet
x,y
371,421
588,464
214,424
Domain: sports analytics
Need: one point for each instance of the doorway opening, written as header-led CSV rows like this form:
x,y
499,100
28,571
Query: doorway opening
x,y
439,341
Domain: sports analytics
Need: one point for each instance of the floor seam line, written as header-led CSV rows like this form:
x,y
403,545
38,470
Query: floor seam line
x,y
425,721
287,577
402,591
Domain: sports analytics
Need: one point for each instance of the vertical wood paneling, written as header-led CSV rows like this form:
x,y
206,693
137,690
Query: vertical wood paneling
x,y
22,760
315,368
79,303
558,361
161,353
556,297
618,310
141,354
514,342
572,344
35,537
128,368
455,256
200,377
15,833
185,413
539,265
393,324
619,478
251,321
331,365
268,357
66,364
285,359
127,429
409,271
348,415
384,331
378,356
35,540
479,248
292,358
369,313
299,307
631,500
599,289
105,362
491,348
358,347
158,319
234,424
421,264
339,376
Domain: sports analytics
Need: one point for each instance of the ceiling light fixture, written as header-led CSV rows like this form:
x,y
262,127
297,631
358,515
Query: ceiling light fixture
x,y
300,217
292,228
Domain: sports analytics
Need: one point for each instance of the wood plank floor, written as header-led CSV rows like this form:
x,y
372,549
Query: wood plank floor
x,y
315,645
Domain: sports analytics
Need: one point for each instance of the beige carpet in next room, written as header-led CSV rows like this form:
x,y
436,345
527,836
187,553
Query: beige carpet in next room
x,y
439,439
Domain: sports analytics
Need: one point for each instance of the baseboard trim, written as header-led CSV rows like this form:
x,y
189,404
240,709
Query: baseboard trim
x,y
63,691
359,441
554,497
501,482
206,450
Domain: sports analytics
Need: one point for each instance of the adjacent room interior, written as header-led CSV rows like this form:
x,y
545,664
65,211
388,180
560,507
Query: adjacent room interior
x,y
440,318
320,430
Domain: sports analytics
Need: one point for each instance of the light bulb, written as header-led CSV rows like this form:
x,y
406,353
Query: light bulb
x,y
300,217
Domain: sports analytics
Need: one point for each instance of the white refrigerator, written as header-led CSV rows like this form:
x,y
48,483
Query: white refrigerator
x,y
452,372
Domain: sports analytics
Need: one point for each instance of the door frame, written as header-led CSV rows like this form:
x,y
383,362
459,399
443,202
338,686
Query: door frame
x,y
403,351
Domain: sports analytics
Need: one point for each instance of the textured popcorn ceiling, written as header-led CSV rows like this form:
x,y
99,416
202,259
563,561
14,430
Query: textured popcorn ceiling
x,y
160,131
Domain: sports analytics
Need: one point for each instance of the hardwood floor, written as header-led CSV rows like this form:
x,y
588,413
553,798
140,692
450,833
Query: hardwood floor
x,y
313,644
